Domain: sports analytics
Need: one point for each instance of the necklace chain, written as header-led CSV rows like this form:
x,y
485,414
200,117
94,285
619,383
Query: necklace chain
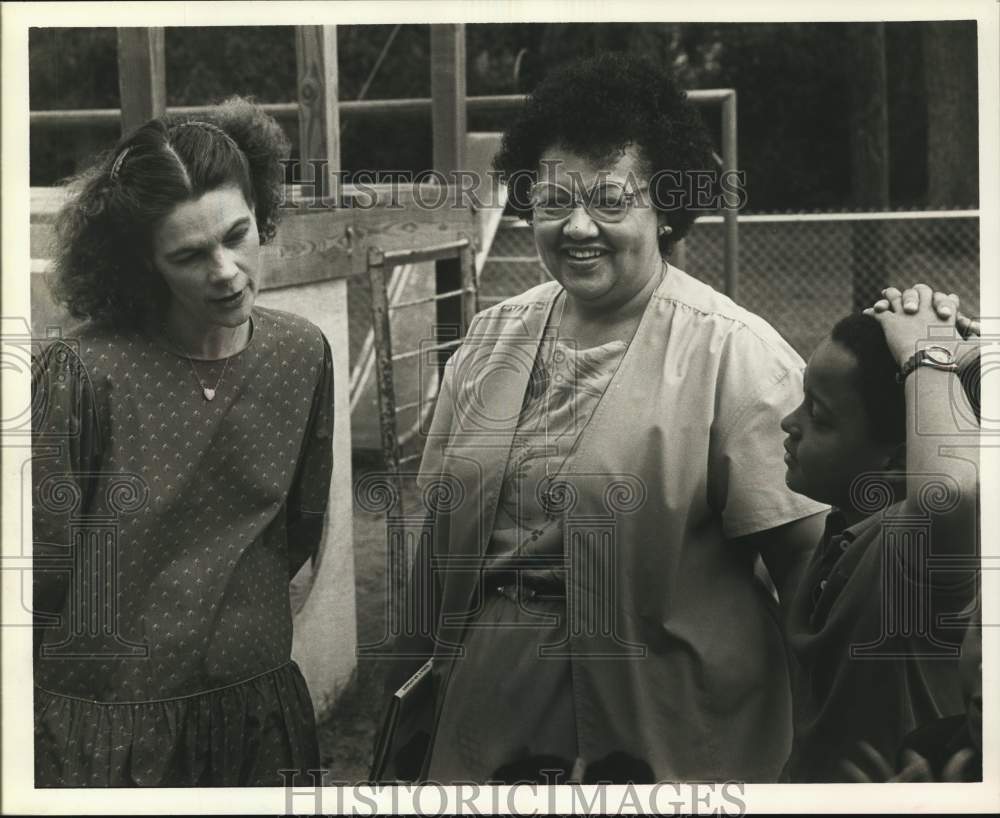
x,y
209,393
206,391
548,501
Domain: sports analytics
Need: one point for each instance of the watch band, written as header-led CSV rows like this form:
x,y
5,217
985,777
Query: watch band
x,y
922,358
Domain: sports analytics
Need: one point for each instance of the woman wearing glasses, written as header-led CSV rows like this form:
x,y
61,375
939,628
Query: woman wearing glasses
x,y
607,457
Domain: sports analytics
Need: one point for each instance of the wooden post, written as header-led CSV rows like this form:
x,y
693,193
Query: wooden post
x,y
470,288
142,75
448,121
448,96
319,116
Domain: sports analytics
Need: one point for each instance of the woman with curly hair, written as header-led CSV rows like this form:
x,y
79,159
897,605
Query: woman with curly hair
x,y
611,443
198,426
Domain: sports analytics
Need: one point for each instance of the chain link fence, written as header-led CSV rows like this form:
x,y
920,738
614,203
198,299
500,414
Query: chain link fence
x,y
800,272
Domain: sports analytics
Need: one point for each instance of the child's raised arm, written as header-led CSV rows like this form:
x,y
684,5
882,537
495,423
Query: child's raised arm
x,y
942,462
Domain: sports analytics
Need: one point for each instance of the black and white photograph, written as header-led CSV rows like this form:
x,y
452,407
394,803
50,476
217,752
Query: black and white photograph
x,y
474,408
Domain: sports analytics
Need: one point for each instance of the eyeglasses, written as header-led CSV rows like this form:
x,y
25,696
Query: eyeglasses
x,y
605,202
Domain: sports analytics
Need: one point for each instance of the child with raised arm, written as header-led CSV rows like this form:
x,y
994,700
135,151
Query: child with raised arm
x,y
876,623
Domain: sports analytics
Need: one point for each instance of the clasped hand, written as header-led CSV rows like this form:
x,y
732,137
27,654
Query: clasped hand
x,y
907,316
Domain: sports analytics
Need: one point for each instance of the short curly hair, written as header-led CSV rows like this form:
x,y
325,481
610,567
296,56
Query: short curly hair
x,y
596,107
103,269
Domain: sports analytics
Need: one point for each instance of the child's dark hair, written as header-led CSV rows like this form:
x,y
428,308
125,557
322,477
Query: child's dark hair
x,y
883,398
103,269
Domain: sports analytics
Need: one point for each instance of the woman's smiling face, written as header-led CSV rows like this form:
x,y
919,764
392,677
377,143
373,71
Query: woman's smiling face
x,y
602,264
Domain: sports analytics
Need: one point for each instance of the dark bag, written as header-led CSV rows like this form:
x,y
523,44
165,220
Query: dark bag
x,y
403,741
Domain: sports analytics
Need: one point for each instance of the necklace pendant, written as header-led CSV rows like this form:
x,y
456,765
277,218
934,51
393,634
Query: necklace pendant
x,y
209,393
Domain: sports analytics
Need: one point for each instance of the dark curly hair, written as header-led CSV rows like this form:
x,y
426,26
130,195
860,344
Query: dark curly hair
x,y
596,107
103,269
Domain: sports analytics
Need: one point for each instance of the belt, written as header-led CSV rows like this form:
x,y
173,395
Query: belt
x,y
526,585
522,593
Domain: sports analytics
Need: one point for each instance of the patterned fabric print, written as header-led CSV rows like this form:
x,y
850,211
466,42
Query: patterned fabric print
x,y
242,735
188,516
565,387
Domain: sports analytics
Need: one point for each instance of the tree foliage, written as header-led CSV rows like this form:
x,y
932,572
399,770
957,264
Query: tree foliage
x,y
793,81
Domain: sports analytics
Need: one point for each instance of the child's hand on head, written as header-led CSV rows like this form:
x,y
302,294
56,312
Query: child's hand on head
x,y
911,316
907,301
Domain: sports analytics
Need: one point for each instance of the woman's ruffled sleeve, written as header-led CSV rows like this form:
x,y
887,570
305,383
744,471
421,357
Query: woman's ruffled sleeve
x,y
66,446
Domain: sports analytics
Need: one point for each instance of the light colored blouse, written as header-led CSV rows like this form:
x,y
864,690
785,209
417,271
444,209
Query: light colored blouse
x,y
676,653
510,700
564,389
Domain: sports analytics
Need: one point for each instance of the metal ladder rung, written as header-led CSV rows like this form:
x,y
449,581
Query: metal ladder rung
x,y
413,353
411,405
429,298
396,258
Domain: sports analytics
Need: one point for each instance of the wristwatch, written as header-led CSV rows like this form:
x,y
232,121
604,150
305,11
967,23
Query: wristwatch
x,y
937,357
